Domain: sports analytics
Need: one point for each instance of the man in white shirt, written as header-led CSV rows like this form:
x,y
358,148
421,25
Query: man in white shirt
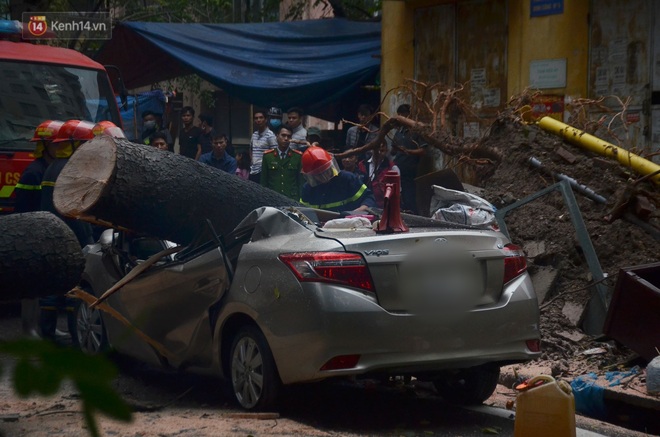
x,y
294,122
263,139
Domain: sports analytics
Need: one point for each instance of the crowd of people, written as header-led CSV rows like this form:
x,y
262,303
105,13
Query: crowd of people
x,y
277,159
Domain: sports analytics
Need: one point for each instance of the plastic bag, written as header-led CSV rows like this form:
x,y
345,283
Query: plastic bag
x,y
348,223
453,206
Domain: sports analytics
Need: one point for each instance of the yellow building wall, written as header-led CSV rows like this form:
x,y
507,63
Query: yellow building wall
x,y
563,35
552,37
398,51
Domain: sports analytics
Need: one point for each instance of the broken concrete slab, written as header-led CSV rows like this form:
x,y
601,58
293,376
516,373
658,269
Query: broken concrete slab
x,y
534,248
653,377
573,312
571,335
643,207
544,280
566,155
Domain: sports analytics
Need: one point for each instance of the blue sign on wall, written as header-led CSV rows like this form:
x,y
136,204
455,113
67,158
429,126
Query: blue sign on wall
x,y
540,8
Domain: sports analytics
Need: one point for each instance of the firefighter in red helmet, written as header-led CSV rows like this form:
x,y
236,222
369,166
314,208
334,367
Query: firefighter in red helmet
x,y
329,188
71,135
28,199
28,188
108,128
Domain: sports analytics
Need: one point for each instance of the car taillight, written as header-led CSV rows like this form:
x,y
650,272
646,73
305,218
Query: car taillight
x,y
514,262
334,267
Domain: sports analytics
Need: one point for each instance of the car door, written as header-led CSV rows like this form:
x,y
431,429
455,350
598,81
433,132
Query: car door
x,y
170,303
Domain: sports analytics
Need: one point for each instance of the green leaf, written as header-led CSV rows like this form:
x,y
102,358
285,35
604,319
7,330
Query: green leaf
x,y
33,376
101,396
90,421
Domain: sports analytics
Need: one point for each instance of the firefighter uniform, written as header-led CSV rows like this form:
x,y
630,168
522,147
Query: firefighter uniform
x,y
28,188
28,199
344,192
280,171
82,230
51,304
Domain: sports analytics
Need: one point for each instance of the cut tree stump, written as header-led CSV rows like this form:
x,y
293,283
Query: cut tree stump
x,y
39,256
116,183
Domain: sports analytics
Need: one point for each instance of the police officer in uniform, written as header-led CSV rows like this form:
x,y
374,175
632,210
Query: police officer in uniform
x,y
327,187
280,168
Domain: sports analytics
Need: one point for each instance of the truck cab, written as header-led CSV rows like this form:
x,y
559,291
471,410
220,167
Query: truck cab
x,y
39,83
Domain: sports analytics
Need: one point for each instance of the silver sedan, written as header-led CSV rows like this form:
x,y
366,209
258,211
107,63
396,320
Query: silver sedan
x,y
283,300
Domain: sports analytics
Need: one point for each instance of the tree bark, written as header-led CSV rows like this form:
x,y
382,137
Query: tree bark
x,y
39,256
116,183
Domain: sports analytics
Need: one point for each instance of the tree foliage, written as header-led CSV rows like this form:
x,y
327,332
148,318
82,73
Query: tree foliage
x,y
351,9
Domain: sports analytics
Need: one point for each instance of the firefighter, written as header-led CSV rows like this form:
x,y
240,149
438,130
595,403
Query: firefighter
x,y
28,188
327,187
28,199
71,135
109,129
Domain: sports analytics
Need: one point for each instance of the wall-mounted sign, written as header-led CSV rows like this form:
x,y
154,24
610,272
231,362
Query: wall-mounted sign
x,y
541,8
548,105
547,73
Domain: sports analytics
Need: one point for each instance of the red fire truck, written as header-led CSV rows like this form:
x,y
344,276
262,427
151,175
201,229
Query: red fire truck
x,y
38,83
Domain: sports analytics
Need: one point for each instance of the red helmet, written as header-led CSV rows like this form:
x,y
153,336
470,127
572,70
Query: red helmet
x,y
47,130
108,128
75,130
318,166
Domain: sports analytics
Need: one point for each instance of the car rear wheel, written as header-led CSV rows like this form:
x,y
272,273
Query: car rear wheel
x,y
254,379
468,386
90,329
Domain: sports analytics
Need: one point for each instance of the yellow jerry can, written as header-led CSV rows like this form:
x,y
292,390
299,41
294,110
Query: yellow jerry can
x,y
545,408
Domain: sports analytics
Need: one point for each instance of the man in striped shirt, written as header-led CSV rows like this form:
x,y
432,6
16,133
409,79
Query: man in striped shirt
x,y
263,139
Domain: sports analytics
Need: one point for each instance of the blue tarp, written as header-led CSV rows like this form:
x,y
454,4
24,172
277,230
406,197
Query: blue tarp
x,y
153,101
308,63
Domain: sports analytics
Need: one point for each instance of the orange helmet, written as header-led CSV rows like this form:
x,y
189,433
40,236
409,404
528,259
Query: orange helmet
x,y
318,166
75,130
108,128
46,131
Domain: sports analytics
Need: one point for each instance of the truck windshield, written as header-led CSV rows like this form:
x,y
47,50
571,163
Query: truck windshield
x,y
33,93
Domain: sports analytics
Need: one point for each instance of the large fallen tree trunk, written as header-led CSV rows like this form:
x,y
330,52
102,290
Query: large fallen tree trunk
x,y
116,183
39,256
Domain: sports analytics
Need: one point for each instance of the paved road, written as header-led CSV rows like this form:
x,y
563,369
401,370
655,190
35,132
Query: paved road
x,y
350,408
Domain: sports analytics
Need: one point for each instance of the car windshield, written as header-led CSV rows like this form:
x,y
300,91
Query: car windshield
x,y
31,93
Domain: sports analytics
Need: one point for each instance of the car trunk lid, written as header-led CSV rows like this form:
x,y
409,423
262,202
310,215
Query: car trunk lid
x,y
430,268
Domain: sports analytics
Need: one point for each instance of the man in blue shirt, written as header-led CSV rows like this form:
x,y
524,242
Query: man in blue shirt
x,y
218,156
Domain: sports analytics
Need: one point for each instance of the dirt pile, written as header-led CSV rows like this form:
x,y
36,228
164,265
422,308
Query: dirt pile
x,y
543,228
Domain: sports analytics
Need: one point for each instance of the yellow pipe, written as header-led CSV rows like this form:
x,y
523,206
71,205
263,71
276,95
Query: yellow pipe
x,y
596,145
